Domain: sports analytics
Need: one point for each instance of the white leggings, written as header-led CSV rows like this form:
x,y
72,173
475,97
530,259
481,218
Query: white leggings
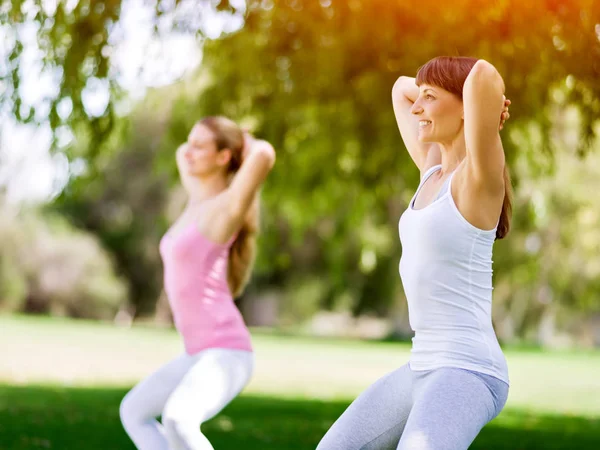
x,y
442,409
186,392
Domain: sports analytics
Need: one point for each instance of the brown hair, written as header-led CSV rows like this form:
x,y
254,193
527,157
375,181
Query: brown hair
x,y
242,253
450,73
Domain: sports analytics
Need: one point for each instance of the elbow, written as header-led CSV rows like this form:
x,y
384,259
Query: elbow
x,y
484,69
482,66
400,86
270,156
267,154
403,85
405,91
485,76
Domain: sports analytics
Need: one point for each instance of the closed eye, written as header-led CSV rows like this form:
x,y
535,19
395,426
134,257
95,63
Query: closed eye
x,y
194,145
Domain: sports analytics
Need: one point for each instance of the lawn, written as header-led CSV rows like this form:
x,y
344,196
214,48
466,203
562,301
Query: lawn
x,y
61,383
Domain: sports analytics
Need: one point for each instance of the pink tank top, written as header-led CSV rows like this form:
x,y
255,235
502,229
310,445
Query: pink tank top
x,y
195,280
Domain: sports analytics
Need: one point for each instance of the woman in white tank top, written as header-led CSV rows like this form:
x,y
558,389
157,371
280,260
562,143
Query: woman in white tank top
x,y
457,379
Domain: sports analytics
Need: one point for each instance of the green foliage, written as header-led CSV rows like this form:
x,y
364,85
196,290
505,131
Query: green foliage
x,y
46,266
315,79
123,202
76,39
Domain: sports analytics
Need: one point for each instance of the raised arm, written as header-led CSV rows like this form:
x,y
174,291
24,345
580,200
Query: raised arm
x,y
484,103
404,94
259,159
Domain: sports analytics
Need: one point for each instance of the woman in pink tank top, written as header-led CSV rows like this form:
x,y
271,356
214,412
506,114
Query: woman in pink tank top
x,y
207,256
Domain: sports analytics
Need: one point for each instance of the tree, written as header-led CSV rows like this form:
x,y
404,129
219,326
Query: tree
x,y
75,40
316,79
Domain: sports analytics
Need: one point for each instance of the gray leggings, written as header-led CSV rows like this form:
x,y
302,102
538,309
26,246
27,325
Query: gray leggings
x,y
442,409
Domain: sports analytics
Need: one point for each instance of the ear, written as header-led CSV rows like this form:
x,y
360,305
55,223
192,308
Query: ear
x,y
223,157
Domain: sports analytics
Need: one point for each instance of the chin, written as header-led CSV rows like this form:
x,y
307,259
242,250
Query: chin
x,y
192,172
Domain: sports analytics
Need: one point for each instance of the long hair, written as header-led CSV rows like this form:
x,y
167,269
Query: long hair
x,y
450,73
242,253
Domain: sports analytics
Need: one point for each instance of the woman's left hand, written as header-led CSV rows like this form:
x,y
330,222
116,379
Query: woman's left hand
x,y
505,114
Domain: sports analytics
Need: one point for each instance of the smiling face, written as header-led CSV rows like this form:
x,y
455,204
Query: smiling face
x,y
440,114
439,106
199,156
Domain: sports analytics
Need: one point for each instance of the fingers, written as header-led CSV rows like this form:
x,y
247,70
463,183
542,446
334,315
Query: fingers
x,y
503,118
505,115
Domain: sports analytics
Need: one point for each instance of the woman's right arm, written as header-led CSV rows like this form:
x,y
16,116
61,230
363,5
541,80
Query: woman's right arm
x,y
258,161
404,94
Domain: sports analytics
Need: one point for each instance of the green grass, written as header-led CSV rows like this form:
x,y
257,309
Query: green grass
x,y
38,417
61,383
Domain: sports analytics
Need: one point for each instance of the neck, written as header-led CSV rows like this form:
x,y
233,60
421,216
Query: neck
x,y
453,152
201,189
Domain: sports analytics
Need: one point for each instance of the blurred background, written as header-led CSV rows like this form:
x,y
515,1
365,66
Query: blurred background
x,y
96,95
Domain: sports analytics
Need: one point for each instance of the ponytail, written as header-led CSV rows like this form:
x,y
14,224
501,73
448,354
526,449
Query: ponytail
x,y
506,214
243,253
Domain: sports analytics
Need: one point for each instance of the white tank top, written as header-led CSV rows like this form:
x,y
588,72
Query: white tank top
x,y
446,271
